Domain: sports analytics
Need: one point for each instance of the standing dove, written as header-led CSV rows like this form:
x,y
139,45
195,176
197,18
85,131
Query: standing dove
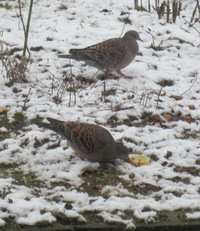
x,y
110,55
89,141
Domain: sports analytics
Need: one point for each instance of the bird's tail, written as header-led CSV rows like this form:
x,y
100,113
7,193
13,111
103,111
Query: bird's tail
x,y
54,125
65,56
76,54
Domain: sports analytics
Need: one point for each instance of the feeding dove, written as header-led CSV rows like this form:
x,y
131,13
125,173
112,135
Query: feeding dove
x,y
89,141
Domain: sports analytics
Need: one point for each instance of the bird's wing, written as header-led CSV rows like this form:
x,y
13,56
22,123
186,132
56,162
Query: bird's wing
x,y
86,137
109,52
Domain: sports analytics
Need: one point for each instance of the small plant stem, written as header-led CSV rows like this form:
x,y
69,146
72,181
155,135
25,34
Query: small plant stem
x,y
27,28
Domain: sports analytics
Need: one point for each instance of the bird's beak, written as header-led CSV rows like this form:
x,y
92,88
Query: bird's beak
x,y
140,39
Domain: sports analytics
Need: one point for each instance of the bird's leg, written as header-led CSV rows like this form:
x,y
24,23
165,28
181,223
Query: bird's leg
x,y
125,76
104,83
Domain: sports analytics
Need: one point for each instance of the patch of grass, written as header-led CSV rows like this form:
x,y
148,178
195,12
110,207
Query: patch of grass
x,y
130,140
14,126
24,143
3,123
19,116
112,121
63,7
5,6
19,121
125,20
39,143
107,175
132,117
95,180
4,192
166,83
158,47
190,170
146,115
54,145
15,67
14,171
49,39
37,49
188,135
154,157
30,178
177,179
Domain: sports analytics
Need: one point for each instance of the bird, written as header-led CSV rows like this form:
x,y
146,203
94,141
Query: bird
x,y
110,55
89,141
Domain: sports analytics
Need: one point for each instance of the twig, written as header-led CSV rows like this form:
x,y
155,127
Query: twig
x,y
26,100
198,6
193,13
70,83
190,86
149,6
24,29
174,11
136,4
159,94
168,11
190,25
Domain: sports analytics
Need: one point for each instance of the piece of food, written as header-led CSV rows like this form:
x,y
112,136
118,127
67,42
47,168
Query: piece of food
x,y
138,160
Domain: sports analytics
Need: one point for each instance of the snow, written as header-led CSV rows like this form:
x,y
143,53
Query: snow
x,y
58,169
194,215
36,216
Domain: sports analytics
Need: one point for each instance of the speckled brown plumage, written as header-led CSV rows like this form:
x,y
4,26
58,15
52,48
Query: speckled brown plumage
x,y
110,55
89,141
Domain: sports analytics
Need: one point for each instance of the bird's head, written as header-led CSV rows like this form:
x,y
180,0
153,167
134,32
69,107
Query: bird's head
x,y
132,34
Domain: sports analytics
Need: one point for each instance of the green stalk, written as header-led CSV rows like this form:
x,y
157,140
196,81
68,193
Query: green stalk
x,y
27,28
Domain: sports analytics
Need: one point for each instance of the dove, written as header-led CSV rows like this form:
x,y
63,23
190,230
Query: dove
x,y
110,55
89,141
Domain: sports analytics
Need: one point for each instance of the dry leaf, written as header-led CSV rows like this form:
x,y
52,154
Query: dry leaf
x,y
167,116
176,97
191,107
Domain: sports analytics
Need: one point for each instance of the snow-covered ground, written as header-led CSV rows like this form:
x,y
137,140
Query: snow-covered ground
x,y
157,114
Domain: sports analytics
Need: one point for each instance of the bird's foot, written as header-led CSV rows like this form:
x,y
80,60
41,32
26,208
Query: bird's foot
x,y
125,76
